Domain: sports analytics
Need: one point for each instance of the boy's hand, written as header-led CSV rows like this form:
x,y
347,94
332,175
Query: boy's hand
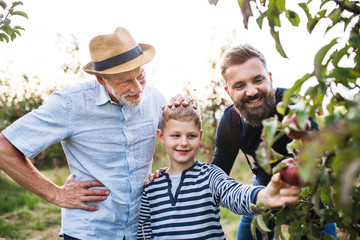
x,y
152,176
278,193
180,99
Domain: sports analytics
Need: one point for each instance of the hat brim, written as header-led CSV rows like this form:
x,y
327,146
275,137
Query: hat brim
x,y
147,56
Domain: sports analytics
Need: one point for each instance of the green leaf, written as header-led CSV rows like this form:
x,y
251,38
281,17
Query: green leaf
x,y
260,207
4,36
3,4
344,76
295,89
319,58
280,108
7,29
14,4
279,48
293,146
280,5
259,21
321,14
13,36
20,13
6,21
261,223
302,117
338,55
253,227
281,217
335,15
246,11
18,27
311,24
307,12
293,17
270,127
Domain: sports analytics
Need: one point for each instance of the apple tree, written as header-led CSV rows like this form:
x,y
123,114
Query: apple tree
x,y
327,160
7,31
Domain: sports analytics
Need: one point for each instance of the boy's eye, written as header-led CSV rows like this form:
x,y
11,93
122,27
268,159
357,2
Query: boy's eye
x,y
192,136
175,135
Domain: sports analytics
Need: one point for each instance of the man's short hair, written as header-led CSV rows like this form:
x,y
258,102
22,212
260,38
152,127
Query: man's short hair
x,y
181,113
239,55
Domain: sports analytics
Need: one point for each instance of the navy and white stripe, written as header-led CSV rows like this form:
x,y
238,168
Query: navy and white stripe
x,y
194,211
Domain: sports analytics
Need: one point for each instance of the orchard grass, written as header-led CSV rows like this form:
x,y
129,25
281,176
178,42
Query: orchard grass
x,y
23,215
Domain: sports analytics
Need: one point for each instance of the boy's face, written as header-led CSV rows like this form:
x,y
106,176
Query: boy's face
x,y
182,140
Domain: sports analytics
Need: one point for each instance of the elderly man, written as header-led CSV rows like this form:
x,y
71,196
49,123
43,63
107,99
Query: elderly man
x,y
107,128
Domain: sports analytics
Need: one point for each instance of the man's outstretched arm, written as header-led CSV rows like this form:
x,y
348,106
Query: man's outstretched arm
x,y
72,194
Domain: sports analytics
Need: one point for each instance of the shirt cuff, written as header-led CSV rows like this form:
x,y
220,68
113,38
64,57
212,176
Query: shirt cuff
x,y
254,194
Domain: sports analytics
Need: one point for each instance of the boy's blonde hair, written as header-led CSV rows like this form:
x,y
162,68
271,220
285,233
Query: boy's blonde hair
x,y
181,113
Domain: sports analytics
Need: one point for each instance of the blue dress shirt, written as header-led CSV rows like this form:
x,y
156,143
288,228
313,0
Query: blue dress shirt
x,y
102,141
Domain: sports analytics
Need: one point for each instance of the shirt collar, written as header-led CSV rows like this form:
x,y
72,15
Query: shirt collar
x,y
102,96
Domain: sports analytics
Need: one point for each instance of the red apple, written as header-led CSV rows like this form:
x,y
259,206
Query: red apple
x,y
289,174
294,130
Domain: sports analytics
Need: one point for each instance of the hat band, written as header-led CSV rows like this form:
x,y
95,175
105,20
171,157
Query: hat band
x,y
118,59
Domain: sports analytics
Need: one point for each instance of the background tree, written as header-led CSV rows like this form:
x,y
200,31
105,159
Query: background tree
x,y
7,32
329,159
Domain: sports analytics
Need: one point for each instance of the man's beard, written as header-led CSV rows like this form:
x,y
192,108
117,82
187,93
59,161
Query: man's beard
x,y
255,115
123,101
130,103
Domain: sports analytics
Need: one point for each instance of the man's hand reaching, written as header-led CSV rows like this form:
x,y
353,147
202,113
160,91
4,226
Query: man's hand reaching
x,y
74,194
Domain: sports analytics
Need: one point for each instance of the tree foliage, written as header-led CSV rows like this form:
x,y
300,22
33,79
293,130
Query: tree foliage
x,y
18,100
7,32
329,159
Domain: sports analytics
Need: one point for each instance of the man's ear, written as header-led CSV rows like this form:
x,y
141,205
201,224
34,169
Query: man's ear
x,y
270,76
201,132
227,90
160,136
100,80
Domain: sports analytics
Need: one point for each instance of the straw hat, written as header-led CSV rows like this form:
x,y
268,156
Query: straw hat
x,y
116,53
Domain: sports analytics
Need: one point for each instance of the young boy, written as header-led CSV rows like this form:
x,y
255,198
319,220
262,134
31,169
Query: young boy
x,y
184,202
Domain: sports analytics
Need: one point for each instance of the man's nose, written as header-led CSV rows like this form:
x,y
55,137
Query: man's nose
x,y
136,86
251,90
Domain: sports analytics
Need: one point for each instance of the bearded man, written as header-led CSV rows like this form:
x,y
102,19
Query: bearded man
x,y
249,85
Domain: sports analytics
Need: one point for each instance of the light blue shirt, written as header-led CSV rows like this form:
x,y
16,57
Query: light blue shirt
x,y
102,141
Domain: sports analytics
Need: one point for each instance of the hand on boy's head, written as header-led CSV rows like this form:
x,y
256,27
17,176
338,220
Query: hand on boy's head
x,y
152,176
278,193
183,100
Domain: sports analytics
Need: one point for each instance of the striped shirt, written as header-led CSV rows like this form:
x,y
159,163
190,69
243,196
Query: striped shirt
x,y
194,211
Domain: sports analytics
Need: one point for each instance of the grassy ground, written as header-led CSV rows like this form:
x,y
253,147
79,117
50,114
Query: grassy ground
x,y
23,215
